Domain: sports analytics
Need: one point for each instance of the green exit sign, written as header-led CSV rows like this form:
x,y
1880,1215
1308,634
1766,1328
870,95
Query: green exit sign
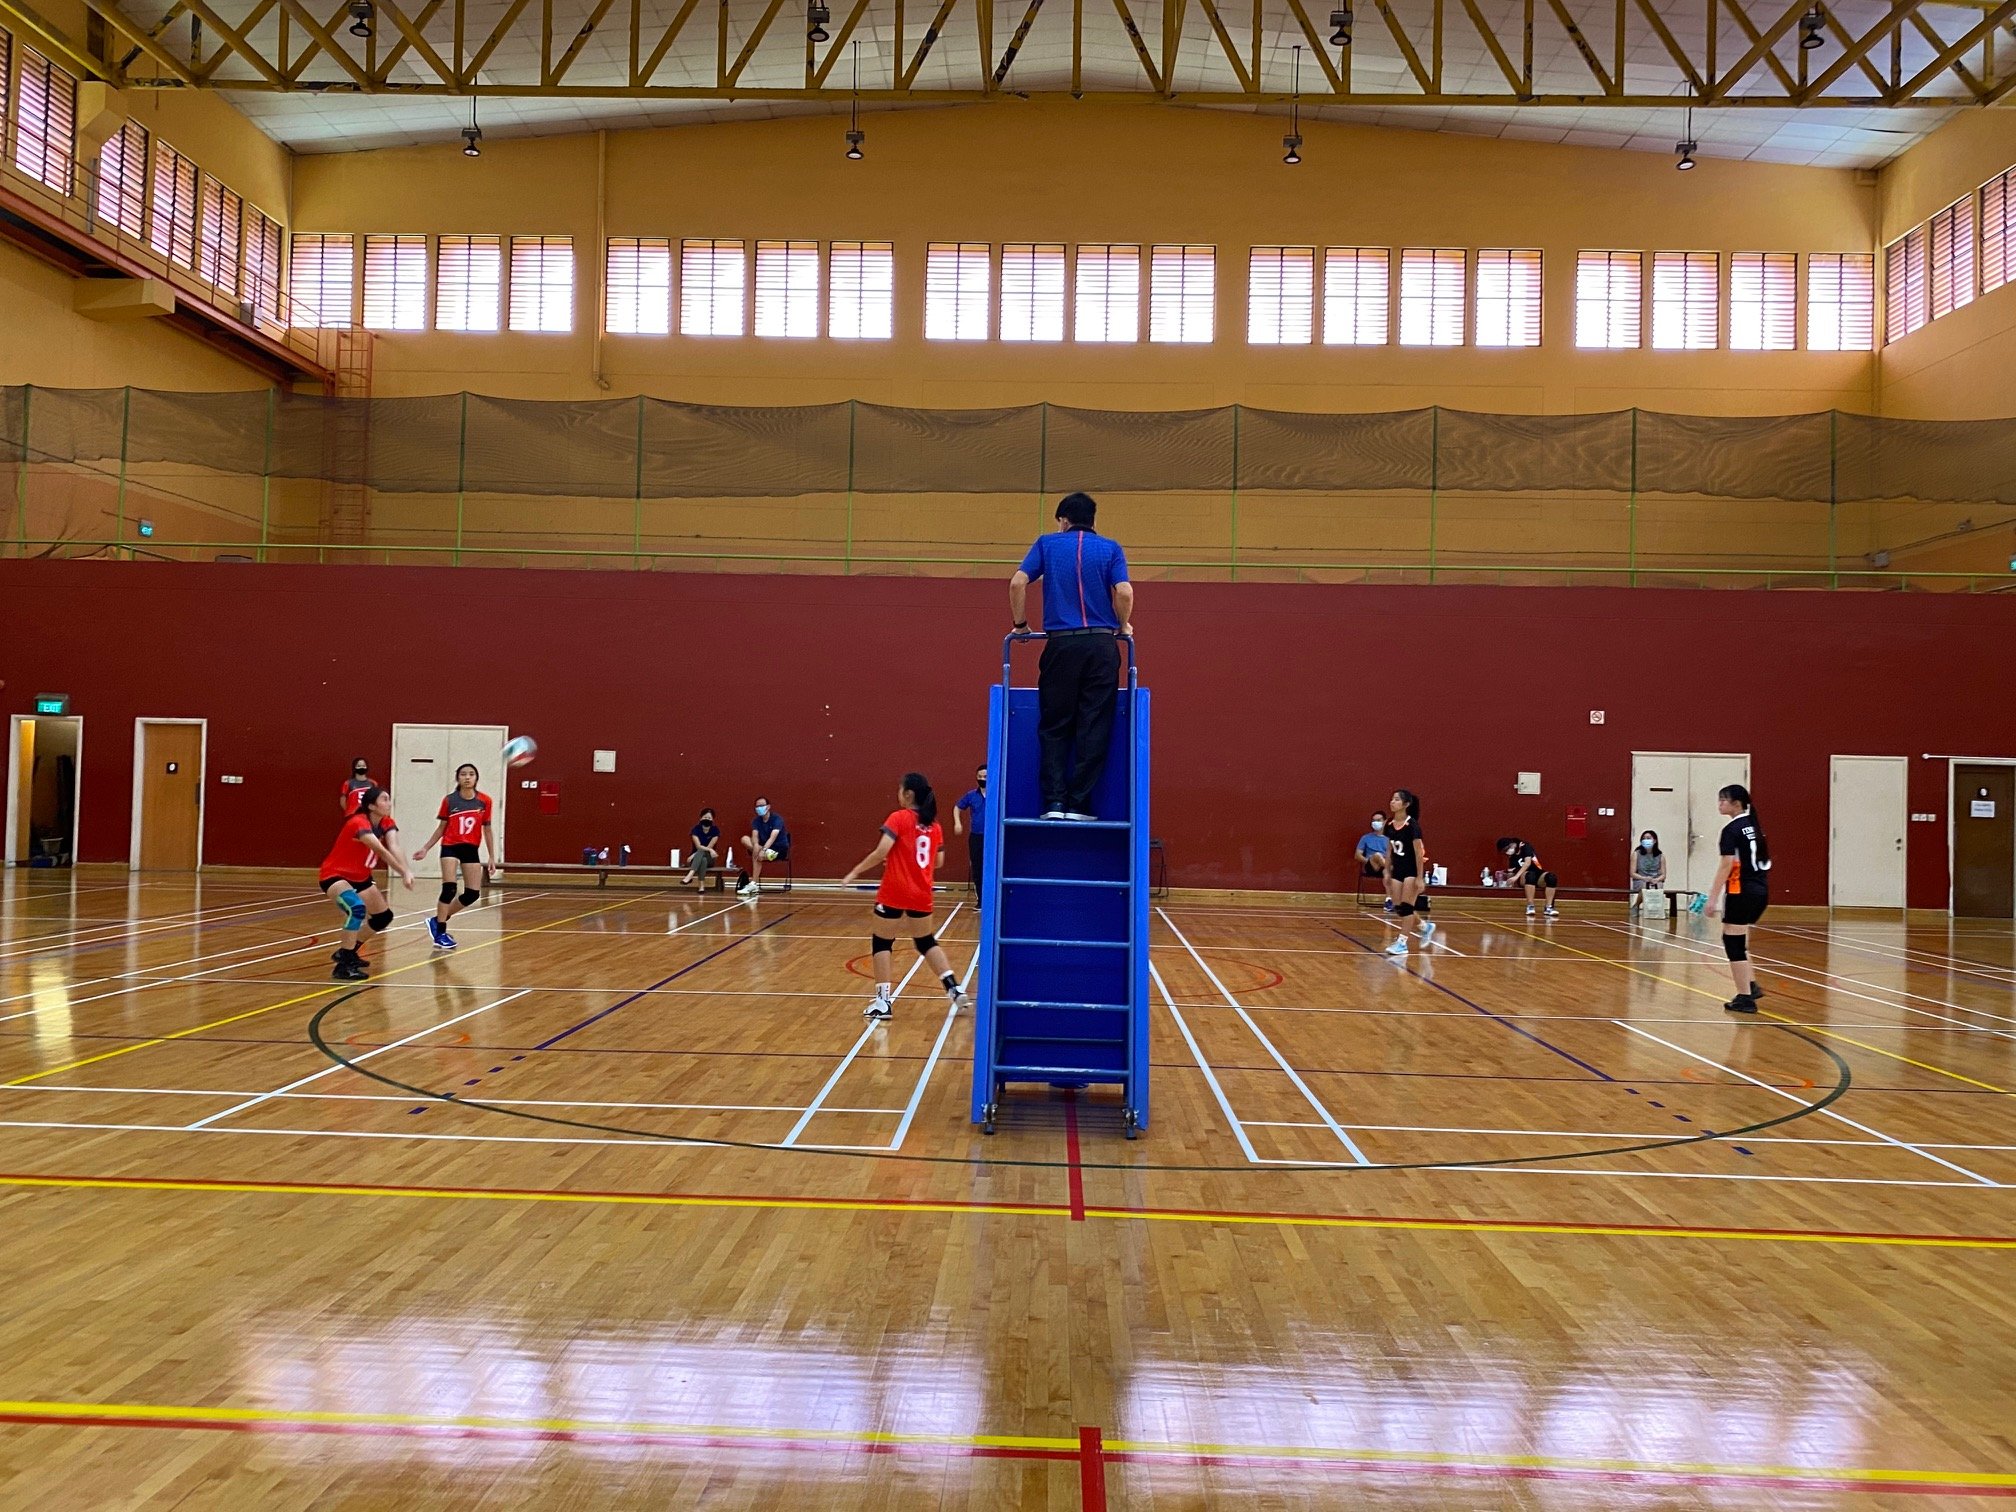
x,y
52,703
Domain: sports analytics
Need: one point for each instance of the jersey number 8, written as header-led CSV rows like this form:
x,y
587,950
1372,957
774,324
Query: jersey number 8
x,y
924,852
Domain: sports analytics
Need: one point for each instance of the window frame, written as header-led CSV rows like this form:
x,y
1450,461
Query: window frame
x,y
1695,321
705,297
458,311
1438,263
1098,309
1281,295
1524,317
524,317
1186,314
867,289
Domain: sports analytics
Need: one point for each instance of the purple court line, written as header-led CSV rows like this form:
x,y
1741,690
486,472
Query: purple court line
x,y
682,971
1478,1008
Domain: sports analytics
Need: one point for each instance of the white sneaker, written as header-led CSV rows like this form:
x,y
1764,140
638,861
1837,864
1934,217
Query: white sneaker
x,y
1428,928
1529,910
1077,818
878,1008
1398,947
958,999
750,890
1055,814
1553,912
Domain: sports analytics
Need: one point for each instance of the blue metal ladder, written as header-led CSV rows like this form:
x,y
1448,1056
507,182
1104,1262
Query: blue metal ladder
x,y
1063,982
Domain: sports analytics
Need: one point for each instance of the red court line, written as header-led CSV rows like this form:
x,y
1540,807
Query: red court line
x,y
1071,1153
1012,1208
1091,1470
1788,1482
540,1435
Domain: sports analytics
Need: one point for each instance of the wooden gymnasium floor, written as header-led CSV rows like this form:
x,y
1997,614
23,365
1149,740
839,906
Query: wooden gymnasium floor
x,y
1571,1239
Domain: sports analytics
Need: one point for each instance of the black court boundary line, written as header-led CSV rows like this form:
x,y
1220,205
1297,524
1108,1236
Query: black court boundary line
x,y
1844,1080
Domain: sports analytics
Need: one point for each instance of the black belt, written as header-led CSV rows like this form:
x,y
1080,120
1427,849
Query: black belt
x,y
1084,630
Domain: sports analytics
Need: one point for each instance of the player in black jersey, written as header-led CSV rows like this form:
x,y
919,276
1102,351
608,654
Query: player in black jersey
x,y
1742,890
1408,868
1524,864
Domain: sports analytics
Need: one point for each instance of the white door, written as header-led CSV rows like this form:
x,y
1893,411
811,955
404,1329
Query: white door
x,y
1673,793
424,758
1866,812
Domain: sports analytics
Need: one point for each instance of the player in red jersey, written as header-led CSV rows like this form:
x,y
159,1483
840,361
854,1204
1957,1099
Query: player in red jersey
x,y
911,850
346,880
354,785
464,821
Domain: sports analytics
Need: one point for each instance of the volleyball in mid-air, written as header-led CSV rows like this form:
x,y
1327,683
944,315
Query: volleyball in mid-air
x,y
520,749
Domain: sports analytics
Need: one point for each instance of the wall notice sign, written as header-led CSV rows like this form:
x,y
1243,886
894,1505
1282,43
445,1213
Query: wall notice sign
x,y
1981,808
605,761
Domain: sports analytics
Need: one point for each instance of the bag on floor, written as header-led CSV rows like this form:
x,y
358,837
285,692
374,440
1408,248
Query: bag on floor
x,y
1652,903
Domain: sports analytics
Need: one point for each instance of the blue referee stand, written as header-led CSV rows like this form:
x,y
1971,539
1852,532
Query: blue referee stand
x,y
1063,982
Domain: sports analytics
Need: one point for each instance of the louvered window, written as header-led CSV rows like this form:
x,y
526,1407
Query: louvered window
x,y
122,178
713,287
221,233
469,283
1840,301
171,223
1182,293
45,126
1357,296
1686,301
1431,296
957,278
640,286
1763,301
1107,306
395,283
1610,300
1508,297
787,288
1281,296
321,281
542,284
861,298
1032,291
1904,285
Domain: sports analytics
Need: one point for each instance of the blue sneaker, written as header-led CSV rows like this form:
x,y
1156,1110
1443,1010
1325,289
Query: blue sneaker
x,y
1389,905
439,933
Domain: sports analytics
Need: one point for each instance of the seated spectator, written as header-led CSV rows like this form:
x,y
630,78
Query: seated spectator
x,y
768,840
706,850
1648,868
1374,857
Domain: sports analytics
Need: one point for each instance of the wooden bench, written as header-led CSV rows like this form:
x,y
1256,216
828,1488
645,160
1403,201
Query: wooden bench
x,y
1515,892
602,871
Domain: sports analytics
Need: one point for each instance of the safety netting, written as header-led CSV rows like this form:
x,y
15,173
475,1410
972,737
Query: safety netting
x,y
1230,491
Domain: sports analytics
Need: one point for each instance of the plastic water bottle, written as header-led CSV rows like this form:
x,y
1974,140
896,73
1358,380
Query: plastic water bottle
x,y
1485,879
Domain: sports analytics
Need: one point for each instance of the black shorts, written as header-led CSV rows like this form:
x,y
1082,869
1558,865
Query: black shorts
x,y
884,911
1403,871
1536,878
1745,907
468,855
322,883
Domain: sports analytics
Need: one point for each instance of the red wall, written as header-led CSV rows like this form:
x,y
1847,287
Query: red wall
x,y
1283,713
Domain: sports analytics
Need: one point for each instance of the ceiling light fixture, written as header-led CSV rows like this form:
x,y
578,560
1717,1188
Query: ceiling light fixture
x,y
360,18
1293,141
472,134
1810,25
816,17
1686,147
855,135
1340,26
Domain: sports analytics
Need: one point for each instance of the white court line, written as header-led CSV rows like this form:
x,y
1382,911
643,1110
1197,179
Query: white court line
x,y
1210,1076
407,1097
1804,978
1268,1045
931,1061
204,1123
1518,1170
1828,1112
867,1033
1898,953
1789,1139
111,931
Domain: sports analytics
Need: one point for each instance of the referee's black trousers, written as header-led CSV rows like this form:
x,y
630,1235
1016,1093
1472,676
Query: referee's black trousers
x,y
1076,687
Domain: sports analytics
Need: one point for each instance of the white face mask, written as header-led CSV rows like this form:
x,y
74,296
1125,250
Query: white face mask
x,y
1378,824
1645,845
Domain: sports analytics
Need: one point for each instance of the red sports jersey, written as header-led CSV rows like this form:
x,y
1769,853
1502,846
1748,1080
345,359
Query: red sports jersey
x,y
353,790
465,818
350,857
906,875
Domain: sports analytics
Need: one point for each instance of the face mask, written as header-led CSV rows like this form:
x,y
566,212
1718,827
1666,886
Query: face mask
x,y
361,772
983,784
1645,845
1378,824
762,810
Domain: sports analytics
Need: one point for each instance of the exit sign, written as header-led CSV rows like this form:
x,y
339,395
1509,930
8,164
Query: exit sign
x,y
52,703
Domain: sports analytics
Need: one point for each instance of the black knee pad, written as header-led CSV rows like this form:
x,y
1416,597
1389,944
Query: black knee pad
x,y
1403,910
447,892
880,945
1550,881
379,922
469,896
926,944
1736,947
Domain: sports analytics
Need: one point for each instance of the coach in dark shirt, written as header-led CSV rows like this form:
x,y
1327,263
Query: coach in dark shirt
x,y
1087,603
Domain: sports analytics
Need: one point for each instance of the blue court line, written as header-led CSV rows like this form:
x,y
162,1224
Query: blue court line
x,y
682,971
1478,1008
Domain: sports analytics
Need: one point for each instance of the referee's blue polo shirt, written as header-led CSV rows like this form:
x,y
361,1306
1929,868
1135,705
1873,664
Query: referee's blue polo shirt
x,y
1077,568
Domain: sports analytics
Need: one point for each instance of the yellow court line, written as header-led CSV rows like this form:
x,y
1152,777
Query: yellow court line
x,y
126,1413
1006,1209
1766,1012
309,997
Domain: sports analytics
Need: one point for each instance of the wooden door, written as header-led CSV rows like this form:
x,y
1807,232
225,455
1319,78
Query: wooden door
x,y
171,795
1865,854
1984,842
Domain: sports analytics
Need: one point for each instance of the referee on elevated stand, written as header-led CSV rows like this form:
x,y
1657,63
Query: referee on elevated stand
x,y
1087,603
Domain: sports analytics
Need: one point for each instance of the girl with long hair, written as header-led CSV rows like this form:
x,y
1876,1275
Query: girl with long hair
x,y
911,850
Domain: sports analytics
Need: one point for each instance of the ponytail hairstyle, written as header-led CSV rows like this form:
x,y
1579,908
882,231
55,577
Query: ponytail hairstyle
x,y
1736,793
918,786
365,799
1411,803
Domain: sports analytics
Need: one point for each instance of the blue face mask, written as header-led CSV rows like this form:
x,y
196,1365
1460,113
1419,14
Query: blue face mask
x,y
1645,844
762,810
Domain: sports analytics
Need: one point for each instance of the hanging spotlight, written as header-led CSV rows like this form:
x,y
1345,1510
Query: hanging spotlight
x,y
360,18
1293,141
1686,147
1340,27
855,135
1809,29
816,17
472,134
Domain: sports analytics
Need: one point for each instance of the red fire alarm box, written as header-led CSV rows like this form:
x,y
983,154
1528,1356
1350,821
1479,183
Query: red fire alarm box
x,y
1578,822
549,797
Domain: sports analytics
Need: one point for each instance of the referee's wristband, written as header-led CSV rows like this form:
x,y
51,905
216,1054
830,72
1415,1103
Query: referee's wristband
x,y
1020,625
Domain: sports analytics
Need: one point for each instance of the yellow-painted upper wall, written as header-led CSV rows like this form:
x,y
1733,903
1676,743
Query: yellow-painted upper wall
x,y
1098,172
1961,366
